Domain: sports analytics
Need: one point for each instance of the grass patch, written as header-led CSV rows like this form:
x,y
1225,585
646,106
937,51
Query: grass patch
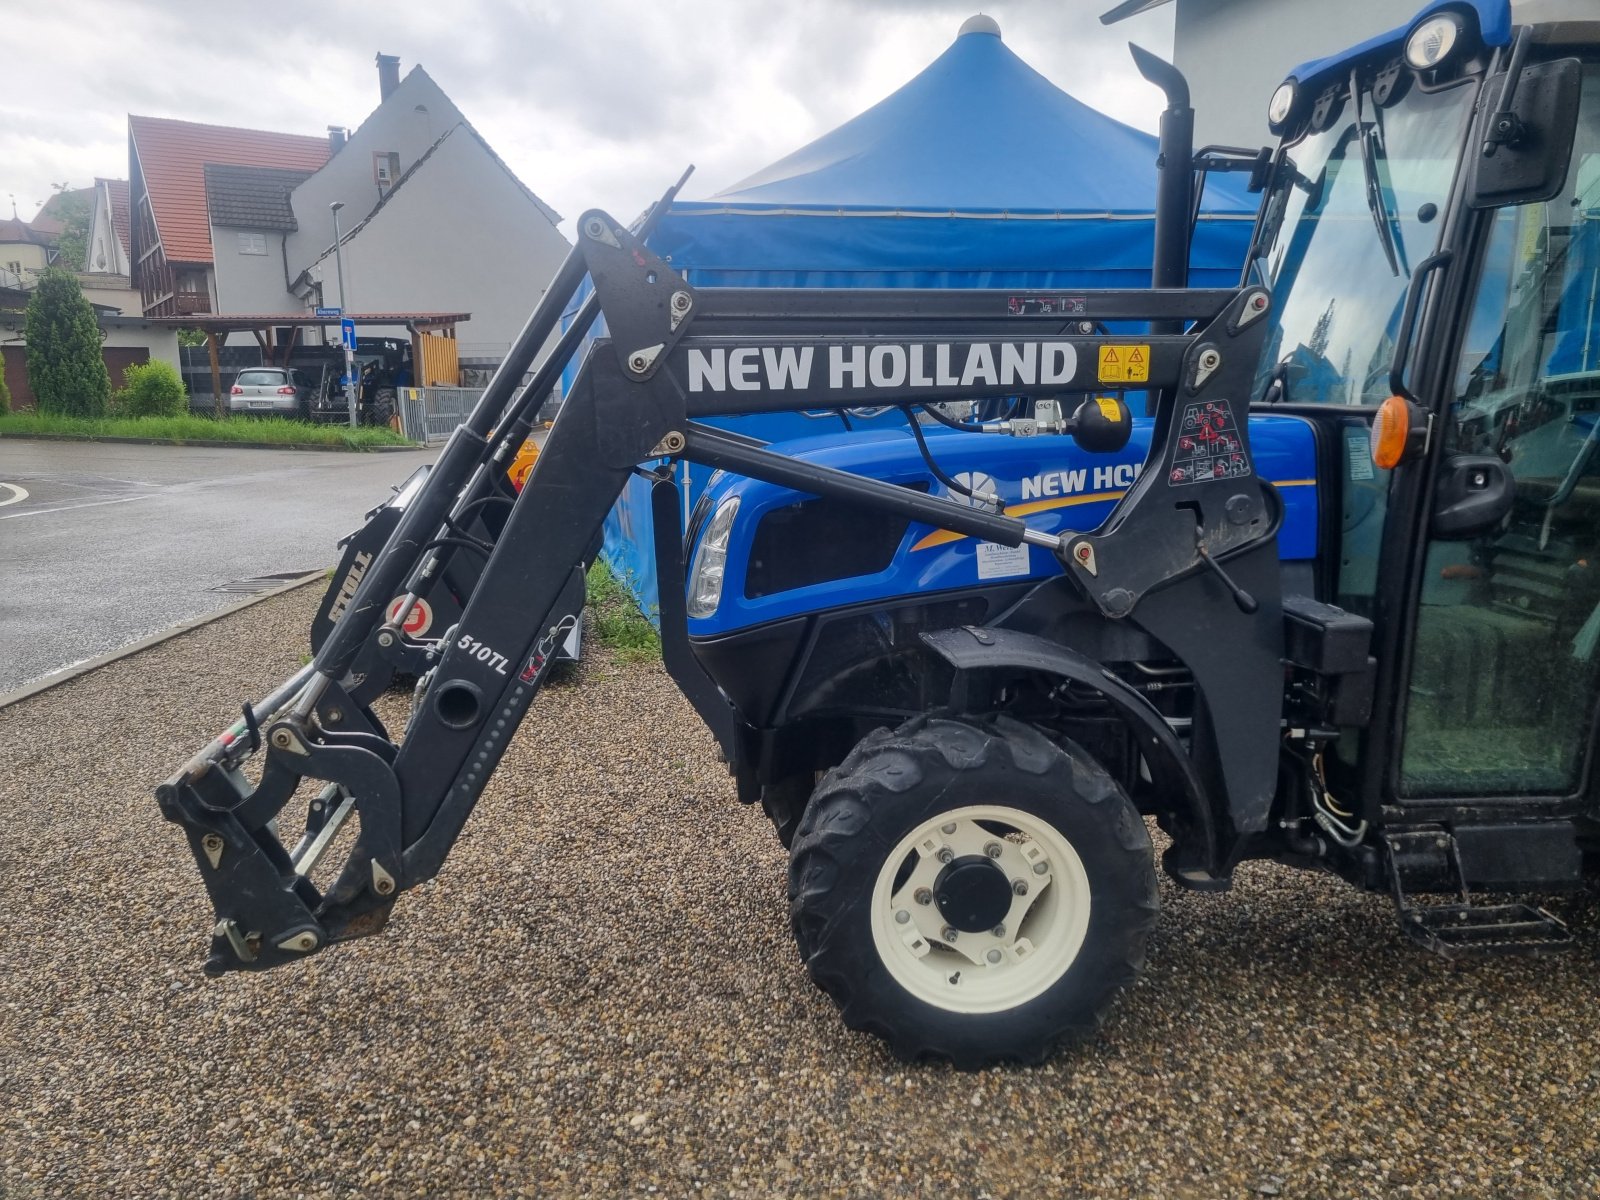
x,y
618,623
190,428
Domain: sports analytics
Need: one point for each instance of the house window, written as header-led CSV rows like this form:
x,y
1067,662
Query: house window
x,y
252,243
385,167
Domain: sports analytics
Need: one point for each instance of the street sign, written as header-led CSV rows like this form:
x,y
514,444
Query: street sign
x,y
330,312
347,330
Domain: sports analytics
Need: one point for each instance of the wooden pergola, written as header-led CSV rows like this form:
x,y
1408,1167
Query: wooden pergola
x,y
276,351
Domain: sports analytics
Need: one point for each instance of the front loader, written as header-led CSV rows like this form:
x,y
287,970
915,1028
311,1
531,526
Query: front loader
x,y
960,748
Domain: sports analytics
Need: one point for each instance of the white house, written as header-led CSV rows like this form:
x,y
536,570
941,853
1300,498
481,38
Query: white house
x,y
235,221
1235,53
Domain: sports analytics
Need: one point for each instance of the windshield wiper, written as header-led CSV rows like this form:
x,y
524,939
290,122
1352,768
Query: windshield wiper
x,y
1374,189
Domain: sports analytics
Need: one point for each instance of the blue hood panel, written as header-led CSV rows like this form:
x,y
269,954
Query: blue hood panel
x,y
1048,481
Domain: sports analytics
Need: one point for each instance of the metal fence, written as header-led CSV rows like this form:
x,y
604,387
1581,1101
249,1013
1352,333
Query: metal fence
x,y
430,415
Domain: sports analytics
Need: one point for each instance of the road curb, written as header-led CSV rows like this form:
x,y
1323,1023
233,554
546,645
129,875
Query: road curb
x,y
68,674
207,444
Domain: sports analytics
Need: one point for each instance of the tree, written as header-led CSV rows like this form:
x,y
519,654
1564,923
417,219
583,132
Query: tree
x,y
72,210
66,370
5,392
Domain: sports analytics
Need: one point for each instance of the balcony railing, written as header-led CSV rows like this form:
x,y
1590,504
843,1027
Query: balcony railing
x,y
188,303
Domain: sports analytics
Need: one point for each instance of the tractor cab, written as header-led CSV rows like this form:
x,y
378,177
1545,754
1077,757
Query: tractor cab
x,y
1431,232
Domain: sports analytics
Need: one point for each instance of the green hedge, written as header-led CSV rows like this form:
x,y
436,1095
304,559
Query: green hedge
x,y
151,389
186,428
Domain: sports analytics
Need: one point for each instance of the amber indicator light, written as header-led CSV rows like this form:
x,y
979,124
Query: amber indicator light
x,y
1390,429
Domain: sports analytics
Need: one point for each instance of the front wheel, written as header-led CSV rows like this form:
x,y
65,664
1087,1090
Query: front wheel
x,y
971,892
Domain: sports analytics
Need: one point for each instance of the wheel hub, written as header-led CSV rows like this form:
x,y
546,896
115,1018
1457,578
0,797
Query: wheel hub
x,y
972,893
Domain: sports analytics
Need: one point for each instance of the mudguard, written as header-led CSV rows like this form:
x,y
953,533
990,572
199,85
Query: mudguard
x,y
1193,859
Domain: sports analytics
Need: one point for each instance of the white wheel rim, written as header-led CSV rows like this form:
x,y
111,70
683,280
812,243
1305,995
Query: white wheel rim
x,y
984,972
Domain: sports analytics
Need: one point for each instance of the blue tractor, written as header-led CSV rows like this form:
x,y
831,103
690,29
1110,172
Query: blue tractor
x,y
1332,599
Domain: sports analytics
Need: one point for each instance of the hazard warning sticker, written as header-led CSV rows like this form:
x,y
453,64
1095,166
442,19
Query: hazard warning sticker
x,y
1209,446
1124,364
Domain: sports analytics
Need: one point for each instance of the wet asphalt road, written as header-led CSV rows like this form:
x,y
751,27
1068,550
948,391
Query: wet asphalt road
x,y
102,544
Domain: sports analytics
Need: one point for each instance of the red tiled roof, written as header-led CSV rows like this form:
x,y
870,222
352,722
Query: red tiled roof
x,y
117,189
172,155
47,220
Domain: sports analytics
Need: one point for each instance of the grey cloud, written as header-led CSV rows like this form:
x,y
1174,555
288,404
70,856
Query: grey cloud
x,y
590,101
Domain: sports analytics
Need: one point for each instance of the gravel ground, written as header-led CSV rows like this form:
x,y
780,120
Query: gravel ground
x,y
599,996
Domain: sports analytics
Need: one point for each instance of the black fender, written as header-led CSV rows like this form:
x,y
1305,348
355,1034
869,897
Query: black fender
x,y
1194,859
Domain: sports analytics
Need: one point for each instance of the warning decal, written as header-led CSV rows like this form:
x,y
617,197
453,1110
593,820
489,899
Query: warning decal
x,y
1124,364
1209,446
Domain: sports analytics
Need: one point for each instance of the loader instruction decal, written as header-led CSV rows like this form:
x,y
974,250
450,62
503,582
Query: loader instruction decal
x,y
1209,446
1124,364
886,365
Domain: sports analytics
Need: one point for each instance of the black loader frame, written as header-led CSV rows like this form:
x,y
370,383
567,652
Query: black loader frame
x,y
1189,556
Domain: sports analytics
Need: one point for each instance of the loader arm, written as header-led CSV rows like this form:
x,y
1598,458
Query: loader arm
x,y
1191,535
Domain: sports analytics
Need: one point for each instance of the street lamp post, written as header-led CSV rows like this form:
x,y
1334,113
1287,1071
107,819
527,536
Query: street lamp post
x,y
349,354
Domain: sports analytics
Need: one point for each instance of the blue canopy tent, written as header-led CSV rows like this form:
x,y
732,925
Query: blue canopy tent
x,y
979,172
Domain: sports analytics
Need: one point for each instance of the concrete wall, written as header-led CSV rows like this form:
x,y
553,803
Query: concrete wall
x,y
1236,52
113,290
461,235
131,331
397,126
250,283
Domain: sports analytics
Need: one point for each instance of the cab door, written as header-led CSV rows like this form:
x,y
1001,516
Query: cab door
x,y
1505,657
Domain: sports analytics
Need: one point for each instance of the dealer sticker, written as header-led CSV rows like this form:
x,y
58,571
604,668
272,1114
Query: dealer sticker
x,y
1125,364
1002,562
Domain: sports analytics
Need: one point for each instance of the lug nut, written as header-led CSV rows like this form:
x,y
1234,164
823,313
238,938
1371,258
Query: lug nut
x,y
924,896
946,854
998,931
902,917
1041,867
992,849
948,933
1020,888
994,956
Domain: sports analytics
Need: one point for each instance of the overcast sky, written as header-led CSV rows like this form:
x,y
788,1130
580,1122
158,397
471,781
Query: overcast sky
x,y
594,103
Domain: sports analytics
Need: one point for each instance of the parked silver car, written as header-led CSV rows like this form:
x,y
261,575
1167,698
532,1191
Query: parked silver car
x,y
277,391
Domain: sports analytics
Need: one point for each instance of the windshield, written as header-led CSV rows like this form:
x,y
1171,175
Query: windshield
x,y
1354,207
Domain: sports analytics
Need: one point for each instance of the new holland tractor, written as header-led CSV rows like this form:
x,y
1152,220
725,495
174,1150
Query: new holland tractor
x,y
1331,599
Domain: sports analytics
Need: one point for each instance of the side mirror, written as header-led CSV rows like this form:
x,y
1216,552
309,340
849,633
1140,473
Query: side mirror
x,y
1474,494
1528,143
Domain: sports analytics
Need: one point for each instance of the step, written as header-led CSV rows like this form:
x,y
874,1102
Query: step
x,y
1462,930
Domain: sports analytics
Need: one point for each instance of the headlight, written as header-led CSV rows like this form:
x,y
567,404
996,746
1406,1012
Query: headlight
x,y
711,560
1279,107
1430,43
